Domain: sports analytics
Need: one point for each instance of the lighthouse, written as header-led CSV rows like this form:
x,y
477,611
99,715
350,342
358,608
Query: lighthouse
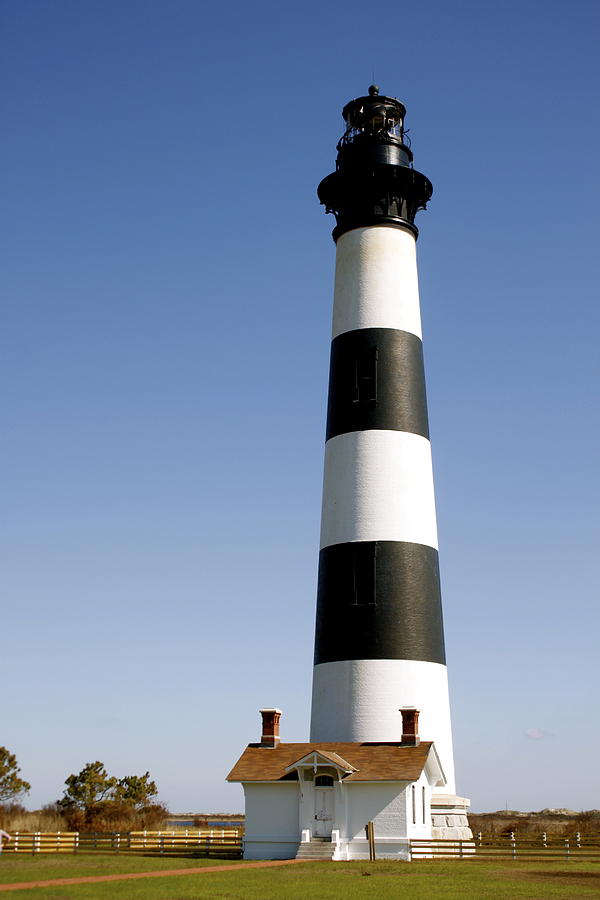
x,y
380,751
379,642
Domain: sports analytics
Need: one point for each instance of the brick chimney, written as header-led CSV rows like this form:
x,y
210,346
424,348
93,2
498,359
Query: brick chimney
x,y
270,727
410,726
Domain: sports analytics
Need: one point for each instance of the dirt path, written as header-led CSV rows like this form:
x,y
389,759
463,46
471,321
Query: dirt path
x,y
162,873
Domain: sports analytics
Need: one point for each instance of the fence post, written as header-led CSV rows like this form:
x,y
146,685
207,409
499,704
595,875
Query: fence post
x,y
567,850
76,842
514,845
544,839
161,843
371,839
578,838
16,843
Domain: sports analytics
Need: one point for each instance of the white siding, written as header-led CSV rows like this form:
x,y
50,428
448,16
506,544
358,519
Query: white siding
x,y
418,829
272,830
384,804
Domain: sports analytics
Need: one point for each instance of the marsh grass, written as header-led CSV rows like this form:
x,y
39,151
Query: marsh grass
x,y
109,816
14,817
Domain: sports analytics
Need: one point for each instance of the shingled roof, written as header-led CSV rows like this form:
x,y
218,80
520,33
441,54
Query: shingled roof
x,y
372,762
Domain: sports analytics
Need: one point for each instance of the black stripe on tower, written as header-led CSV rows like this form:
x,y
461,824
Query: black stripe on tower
x,y
379,600
377,381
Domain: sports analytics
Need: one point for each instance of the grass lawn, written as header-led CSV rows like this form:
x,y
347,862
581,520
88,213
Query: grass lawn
x,y
334,881
39,867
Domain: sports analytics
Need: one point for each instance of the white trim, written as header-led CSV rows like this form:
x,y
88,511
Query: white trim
x,y
433,767
263,781
324,762
400,781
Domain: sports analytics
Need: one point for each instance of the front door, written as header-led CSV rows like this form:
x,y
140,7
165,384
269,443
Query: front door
x,y
323,808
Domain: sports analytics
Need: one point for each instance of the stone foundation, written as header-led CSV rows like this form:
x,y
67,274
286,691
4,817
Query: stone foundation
x,y
449,818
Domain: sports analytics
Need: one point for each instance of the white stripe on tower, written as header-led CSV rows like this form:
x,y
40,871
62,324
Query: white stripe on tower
x,y
378,486
376,283
379,641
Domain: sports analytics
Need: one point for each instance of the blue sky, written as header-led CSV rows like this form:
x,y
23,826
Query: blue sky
x,y
166,309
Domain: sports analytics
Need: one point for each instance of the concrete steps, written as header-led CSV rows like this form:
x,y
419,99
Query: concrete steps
x,y
317,848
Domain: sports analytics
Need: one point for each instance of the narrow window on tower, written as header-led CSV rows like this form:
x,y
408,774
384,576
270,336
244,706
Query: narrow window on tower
x,y
414,805
365,376
365,575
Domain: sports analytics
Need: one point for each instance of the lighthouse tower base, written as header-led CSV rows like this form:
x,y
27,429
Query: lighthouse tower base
x,y
449,818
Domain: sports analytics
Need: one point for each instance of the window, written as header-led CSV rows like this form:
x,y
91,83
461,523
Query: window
x,y
424,808
364,559
323,781
365,376
414,804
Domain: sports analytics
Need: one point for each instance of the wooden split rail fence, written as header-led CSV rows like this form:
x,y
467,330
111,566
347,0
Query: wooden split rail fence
x,y
510,848
217,842
227,843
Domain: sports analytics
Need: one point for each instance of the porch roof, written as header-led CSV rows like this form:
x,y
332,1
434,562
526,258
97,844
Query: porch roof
x,y
325,757
372,761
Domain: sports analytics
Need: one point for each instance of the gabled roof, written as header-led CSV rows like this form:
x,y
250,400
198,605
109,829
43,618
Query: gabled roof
x,y
327,756
370,761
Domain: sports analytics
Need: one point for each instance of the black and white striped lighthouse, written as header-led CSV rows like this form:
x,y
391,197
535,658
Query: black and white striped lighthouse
x,y
379,642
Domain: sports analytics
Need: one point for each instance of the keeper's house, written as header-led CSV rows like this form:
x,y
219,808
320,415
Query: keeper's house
x,y
315,799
